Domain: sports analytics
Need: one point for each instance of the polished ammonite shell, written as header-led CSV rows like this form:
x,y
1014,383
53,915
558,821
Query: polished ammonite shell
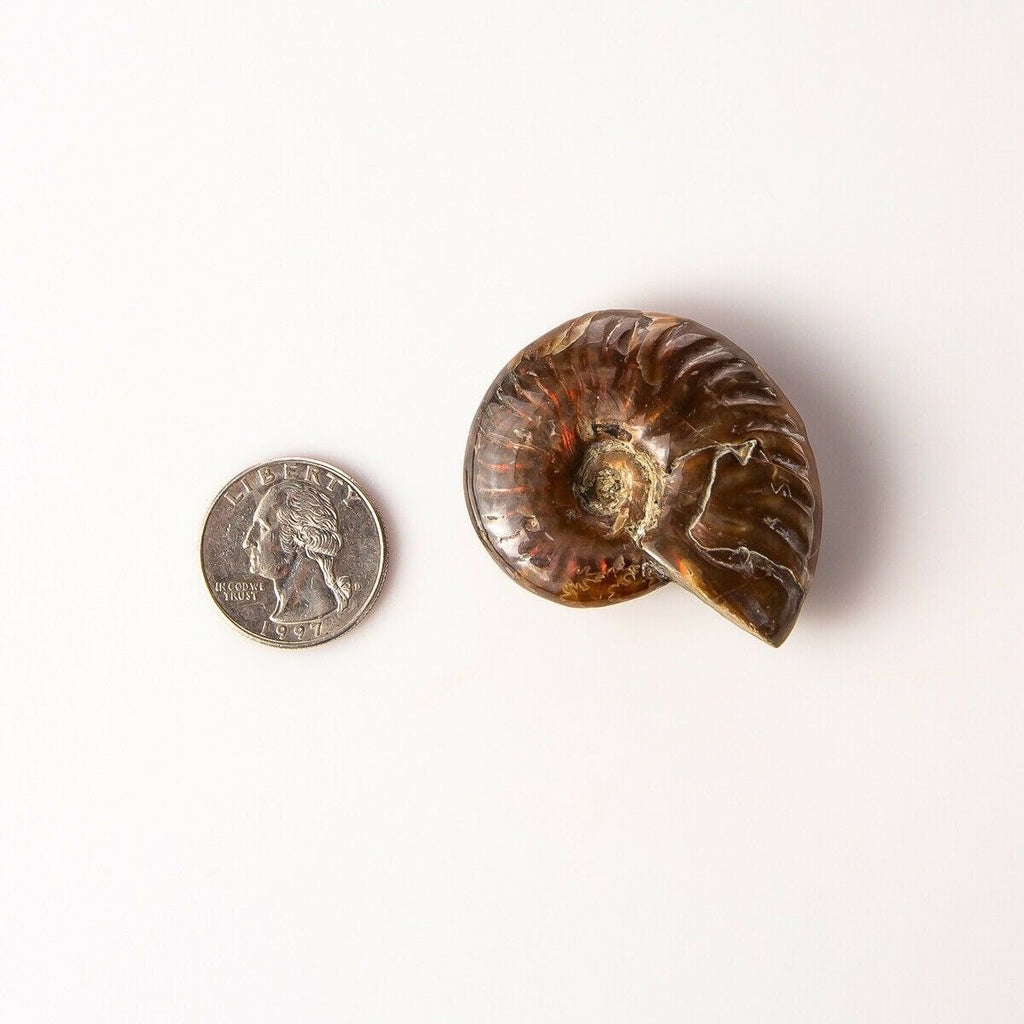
x,y
624,450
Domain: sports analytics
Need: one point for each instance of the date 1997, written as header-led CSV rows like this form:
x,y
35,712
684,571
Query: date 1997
x,y
292,632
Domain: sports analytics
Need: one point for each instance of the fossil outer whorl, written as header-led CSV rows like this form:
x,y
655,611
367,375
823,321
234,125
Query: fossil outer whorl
x,y
623,450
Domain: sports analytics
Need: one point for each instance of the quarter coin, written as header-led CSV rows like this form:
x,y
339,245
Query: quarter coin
x,y
293,552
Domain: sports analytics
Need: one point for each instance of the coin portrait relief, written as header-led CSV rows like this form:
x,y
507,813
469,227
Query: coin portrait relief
x,y
293,552
294,541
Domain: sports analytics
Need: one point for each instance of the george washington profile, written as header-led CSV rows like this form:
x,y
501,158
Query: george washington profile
x,y
294,542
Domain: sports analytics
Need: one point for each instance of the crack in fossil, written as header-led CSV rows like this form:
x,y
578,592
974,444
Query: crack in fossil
x,y
748,557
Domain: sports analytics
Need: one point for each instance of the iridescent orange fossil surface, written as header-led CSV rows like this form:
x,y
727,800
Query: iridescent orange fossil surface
x,y
624,450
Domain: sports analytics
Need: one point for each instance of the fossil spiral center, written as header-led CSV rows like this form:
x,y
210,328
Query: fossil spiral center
x,y
619,486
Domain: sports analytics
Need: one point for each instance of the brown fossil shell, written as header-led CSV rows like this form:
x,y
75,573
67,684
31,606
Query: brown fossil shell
x,y
624,450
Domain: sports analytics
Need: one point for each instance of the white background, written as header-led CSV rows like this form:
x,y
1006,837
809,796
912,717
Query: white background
x,y
233,232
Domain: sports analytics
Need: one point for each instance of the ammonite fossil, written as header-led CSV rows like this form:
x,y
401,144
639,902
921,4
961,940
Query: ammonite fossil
x,y
624,450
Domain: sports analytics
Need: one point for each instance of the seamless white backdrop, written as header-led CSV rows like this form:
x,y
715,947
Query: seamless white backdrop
x,y
236,231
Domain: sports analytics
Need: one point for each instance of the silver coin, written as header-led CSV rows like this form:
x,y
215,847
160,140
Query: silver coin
x,y
293,552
